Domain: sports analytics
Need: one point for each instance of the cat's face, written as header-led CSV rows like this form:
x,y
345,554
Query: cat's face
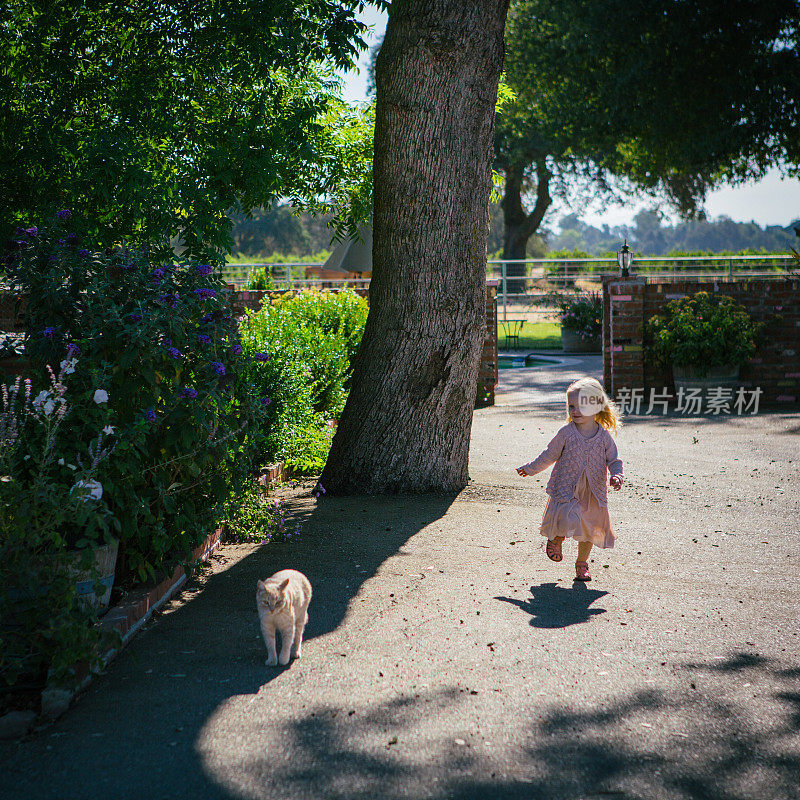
x,y
270,596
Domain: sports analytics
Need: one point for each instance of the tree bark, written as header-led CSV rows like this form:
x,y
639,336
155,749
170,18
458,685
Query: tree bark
x,y
519,224
406,425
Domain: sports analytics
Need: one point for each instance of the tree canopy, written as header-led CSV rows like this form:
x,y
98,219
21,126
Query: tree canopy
x,y
151,118
676,95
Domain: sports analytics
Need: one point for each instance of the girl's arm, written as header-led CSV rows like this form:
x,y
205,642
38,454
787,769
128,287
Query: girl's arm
x,y
546,458
614,463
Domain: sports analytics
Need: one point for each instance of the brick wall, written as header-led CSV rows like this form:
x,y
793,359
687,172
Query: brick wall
x,y
487,374
775,367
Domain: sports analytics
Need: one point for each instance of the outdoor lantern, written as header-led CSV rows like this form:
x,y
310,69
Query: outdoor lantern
x,y
624,259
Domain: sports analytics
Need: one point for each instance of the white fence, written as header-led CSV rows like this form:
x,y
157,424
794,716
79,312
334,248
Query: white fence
x,y
524,284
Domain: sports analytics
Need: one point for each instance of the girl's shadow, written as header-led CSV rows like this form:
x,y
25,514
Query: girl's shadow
x,y
554,606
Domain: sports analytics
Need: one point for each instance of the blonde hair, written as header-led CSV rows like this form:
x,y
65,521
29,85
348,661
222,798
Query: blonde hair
x,y
608,416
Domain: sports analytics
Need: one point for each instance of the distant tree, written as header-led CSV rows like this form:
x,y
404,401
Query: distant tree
x,y
151,118
650,236
666,94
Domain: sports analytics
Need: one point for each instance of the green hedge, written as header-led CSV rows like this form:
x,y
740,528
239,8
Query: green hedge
x,y
300,351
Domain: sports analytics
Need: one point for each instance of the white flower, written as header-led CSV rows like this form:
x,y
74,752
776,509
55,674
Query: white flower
x,y
91,490
61,462
109,429
48,407
41,397
101,396
68,365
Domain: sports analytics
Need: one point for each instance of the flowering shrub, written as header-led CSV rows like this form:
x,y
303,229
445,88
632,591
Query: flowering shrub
x,y
702,331
50,500
582,314
299,353
154,349
254,516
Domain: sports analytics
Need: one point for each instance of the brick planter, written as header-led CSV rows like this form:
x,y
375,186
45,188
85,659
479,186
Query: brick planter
x,y
629,303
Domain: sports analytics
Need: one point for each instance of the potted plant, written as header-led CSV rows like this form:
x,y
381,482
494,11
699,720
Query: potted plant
x,y
704,338
581,323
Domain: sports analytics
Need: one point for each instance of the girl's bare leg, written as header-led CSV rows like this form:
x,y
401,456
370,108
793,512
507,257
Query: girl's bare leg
x,y
584,548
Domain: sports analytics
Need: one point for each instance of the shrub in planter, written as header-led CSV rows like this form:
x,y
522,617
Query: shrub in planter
x,y
702,332
582,315
300,351
155,345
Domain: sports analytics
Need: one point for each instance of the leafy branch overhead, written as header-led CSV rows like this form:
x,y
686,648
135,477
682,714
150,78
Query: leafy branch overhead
x,y
670,96
151,121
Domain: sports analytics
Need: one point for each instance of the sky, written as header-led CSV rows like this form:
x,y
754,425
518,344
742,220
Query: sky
x,y
770,201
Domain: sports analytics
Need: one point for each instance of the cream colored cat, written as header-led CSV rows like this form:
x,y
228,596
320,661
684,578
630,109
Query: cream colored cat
x,y
282,601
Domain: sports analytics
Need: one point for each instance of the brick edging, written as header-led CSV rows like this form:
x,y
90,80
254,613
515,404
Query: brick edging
x,y
126,618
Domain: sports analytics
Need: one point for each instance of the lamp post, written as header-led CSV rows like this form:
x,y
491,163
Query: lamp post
x,y
624,259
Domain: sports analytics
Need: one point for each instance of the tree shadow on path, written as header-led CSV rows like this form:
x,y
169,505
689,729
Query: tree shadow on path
x,y
712,742
134,733
554,606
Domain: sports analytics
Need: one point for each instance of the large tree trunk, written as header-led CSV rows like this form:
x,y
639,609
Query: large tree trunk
x,y
406,425
519,224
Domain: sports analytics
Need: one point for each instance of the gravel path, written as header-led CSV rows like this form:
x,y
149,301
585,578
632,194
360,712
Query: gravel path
x,y
446,657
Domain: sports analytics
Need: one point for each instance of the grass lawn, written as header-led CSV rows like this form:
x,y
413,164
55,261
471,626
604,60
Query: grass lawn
x,y
534,336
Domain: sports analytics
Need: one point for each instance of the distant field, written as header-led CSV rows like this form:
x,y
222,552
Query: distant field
x,y
534,336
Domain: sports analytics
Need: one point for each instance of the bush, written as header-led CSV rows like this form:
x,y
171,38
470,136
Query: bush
x,y
300,352
260,279
159,345
702,331
582,314
50,500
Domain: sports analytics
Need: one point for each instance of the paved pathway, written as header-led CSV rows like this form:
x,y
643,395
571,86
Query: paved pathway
x,y
446,657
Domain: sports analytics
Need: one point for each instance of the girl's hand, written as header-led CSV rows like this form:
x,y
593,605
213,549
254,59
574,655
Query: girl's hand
x,y
616,482
521,471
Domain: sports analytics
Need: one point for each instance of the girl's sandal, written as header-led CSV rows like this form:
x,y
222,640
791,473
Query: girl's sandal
x,y
582,571
553,550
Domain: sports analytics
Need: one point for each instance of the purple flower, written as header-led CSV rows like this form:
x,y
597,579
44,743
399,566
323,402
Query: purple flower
x,y
72,238
135,317
127,266
204,293
33,231
48,332
61,242
73,350
174,352
158,273
64,213
150,416
83,253
188,392
218,367
261,357
204,269
170,299
203,339
236,349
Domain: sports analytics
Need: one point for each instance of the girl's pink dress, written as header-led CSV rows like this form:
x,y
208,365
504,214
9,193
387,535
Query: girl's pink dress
x,y
577,503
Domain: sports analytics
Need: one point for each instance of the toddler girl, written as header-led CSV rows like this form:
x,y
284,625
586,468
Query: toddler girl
x,y
582,451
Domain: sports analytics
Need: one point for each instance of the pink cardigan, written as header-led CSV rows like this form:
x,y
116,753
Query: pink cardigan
x,y
574,454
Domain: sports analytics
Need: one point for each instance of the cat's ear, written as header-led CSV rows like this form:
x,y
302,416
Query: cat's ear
x,y
260,585
284,584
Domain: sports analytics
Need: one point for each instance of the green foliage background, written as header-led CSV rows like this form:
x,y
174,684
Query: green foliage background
x,y
151,119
